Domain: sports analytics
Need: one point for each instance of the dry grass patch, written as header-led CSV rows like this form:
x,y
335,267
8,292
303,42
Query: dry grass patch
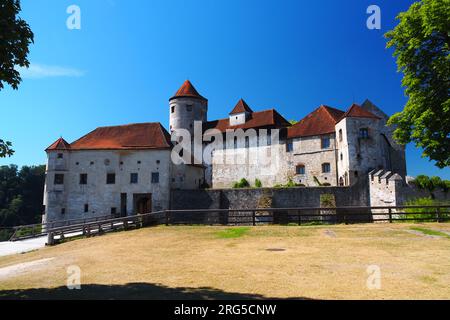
x,y
250,262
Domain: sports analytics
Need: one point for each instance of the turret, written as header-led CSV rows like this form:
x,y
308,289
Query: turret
x,y
187,106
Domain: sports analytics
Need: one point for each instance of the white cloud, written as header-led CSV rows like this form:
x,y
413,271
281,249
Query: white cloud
x,y
38,71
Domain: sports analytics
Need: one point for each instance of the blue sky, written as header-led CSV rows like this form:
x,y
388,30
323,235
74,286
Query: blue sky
x,y
130,56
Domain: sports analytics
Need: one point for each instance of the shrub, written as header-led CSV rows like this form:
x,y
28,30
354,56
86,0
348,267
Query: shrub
x,y
243,183
427,214
258,183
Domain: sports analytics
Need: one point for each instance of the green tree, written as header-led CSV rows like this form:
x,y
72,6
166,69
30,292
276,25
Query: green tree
x,y
15,38
421,45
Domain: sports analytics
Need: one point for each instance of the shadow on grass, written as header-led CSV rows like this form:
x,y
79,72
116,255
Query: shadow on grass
x,y
128,291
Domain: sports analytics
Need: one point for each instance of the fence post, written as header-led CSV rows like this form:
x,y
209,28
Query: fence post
x,y
254,217
166,213
438,211
50,239
390,215
299,218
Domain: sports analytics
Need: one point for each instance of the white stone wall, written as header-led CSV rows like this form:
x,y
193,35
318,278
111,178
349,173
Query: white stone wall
x,y
99,196
280,165
308,151
238,118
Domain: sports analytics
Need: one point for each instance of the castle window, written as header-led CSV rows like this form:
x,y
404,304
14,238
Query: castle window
x,y
189,107
86,208
300,169
139,162
155,177
63,210
92,162
59,178
326,168
325,142
113,211
289,146
60,156
364,133
172,109
342,157
83,178
111,178
340,134
247,141
133,178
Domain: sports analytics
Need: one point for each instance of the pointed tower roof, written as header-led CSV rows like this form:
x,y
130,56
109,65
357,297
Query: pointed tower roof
x,y
356,111
59,144
240,107
187,90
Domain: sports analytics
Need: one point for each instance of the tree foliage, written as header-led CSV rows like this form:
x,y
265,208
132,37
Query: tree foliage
x,y
421,45
15,38
21,195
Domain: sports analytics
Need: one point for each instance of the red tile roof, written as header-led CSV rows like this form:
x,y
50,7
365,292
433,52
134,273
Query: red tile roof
x,y
59,144
133,136
187,90
267,118
320,121
240,107
356,111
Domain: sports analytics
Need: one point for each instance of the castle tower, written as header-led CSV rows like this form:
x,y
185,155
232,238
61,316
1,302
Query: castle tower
x,y
187,106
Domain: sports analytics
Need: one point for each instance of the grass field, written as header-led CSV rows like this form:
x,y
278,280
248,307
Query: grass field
x,y
307,262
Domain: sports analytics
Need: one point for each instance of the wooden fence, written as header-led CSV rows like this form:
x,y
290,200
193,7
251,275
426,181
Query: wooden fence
x,y
57,232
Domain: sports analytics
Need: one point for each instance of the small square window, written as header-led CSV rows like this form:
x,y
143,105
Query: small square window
x,y
289,146
325,142
110,178
63,210
364,133
91,163
189,107
86,208
113,211
155,177
59,178
133,178
139,162
300,169
83,178
326,168
60,156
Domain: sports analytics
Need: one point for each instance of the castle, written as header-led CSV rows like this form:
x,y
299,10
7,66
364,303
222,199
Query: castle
x,y
129,169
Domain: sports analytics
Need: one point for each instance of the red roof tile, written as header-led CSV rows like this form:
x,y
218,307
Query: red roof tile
x,y
187,90
266,118
320,121
240,107
356,111
59,144
133,136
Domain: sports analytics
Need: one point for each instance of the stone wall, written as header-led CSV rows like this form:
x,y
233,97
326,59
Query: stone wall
x,y
356,195
390,189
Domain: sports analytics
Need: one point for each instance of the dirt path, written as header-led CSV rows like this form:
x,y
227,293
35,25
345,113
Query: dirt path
x,y
21,268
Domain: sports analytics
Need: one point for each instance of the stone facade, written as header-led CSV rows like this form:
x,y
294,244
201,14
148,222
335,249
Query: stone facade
x,y
125,170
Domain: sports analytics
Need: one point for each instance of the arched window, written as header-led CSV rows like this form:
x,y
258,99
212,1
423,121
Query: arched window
x,y
341,181
300,169
326,168
340,134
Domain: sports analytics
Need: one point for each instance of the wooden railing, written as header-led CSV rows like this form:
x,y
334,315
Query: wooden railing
x,y
40,229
